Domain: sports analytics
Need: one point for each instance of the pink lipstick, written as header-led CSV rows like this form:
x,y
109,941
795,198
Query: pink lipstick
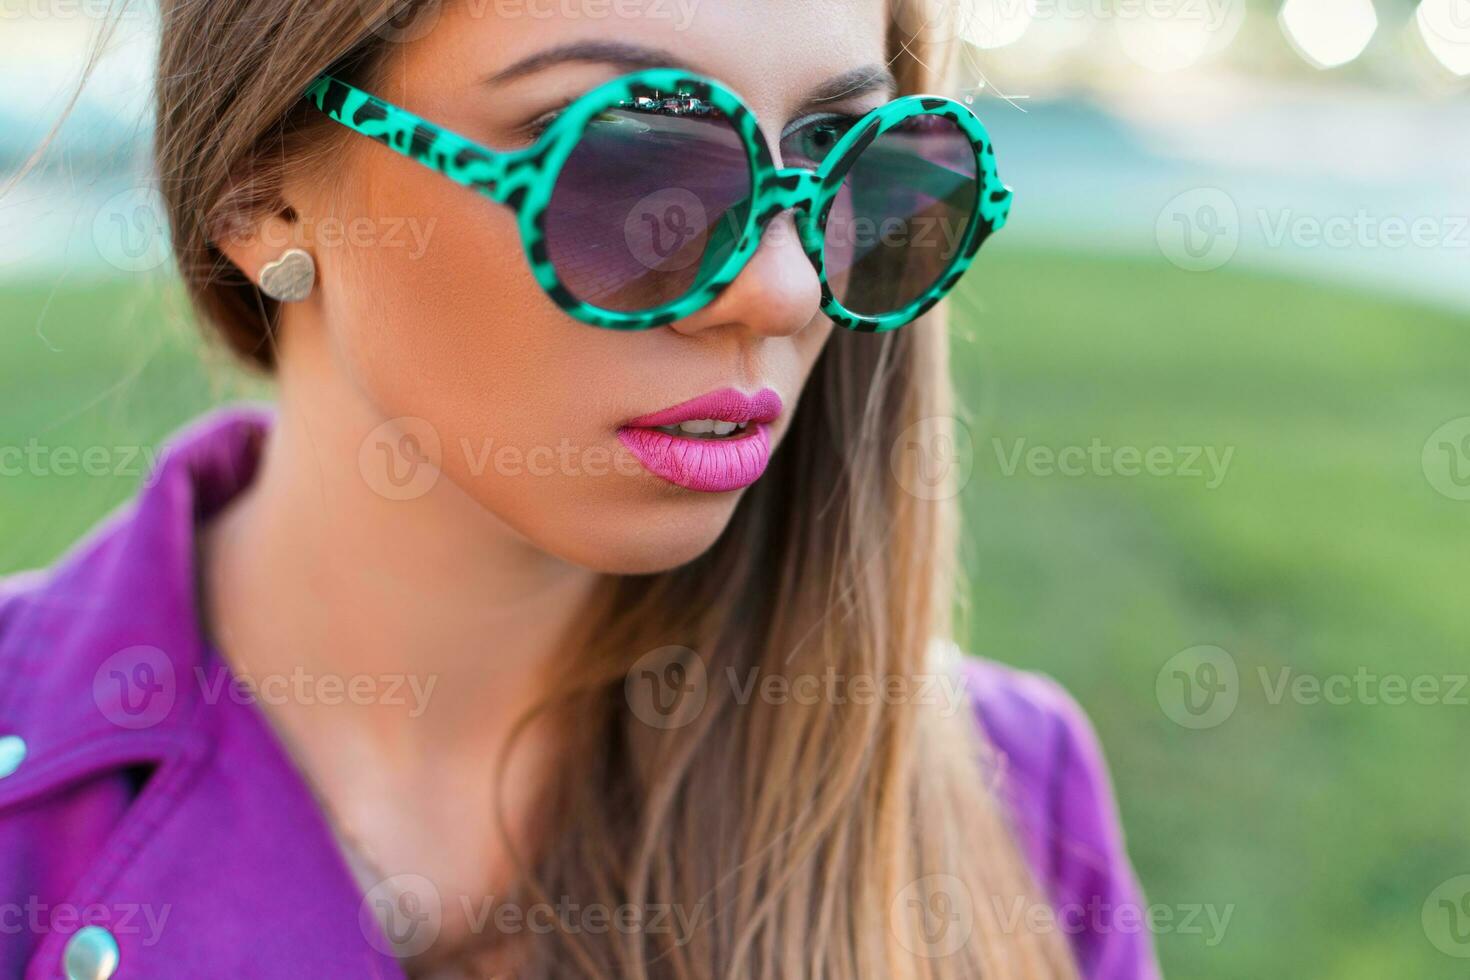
x,y
713,444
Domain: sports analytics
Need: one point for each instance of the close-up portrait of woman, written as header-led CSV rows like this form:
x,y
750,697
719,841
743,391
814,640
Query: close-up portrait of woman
x,y
589,488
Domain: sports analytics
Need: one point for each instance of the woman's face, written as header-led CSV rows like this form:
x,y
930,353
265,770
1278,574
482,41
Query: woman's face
x,y
429,311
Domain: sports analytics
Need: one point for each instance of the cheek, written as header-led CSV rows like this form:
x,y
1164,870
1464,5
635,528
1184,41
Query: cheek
x,y
440,319
452,328
450,320
420,303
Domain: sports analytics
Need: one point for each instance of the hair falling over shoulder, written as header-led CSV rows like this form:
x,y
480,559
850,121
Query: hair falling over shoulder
x,y
776,839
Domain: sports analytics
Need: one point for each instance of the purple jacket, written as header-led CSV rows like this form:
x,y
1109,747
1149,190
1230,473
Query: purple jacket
x,y
151,828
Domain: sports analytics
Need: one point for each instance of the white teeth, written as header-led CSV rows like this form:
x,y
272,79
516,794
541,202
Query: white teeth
x,y
705,427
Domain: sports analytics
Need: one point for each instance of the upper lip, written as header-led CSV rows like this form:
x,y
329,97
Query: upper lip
x,y
724,405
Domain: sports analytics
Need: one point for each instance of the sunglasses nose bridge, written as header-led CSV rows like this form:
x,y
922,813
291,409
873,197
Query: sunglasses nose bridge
x,y
791,188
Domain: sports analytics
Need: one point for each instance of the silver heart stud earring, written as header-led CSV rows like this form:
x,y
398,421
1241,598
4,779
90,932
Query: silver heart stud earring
x,y
290,277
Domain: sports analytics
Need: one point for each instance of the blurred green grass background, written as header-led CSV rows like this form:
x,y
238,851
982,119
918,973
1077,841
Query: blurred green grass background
x,y
1321,829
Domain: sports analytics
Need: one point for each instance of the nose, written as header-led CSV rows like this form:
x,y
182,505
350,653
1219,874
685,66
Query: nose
x,y
775,295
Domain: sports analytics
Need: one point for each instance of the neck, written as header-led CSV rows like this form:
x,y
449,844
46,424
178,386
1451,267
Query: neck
x,y
423,623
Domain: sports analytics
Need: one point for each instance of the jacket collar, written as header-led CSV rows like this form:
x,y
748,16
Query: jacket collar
x,y
108,671
104,645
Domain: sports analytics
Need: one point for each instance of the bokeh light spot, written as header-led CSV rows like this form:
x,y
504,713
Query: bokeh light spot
x,y
1329,33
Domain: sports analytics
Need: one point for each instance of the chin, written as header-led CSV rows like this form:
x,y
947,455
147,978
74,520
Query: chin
x,y
643,538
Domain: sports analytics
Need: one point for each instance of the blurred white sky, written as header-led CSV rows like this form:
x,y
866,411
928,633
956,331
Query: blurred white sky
x,y
1108,143
43,56
1031,47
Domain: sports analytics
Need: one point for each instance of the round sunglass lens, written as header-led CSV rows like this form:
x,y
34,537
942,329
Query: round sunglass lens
x,y
900,217
649,204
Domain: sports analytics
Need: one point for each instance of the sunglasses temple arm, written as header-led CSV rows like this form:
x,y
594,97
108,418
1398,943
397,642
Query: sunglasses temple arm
x,y
461,160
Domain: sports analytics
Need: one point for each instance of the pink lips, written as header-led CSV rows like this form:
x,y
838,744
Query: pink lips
x,y
707,465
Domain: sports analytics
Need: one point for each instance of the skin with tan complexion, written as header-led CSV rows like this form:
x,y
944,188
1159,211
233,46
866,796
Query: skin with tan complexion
x,y
473,583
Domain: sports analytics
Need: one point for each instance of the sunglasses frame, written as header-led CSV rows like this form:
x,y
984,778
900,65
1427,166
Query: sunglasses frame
x,y
524,179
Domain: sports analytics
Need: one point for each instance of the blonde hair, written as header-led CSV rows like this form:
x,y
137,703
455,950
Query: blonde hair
x,y
796,828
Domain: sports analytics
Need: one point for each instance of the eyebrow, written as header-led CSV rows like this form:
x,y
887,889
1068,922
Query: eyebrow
x,y
858,81
633,56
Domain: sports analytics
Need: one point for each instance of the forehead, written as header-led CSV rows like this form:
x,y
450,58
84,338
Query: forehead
x,y
772,52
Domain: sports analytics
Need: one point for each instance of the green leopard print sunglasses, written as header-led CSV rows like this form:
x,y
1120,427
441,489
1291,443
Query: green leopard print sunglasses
x,y
642,200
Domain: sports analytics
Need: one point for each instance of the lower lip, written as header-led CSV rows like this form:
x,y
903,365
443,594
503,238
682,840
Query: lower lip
x,y
705,465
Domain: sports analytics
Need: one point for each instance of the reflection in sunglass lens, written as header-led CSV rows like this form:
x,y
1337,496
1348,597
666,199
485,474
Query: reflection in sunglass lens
x,y
900,217
648,205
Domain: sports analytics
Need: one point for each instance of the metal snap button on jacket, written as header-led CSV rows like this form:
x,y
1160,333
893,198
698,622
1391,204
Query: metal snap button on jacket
x,y
91,954
12,754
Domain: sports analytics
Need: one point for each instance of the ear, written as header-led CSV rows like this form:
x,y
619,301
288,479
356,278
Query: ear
x,y
253,242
